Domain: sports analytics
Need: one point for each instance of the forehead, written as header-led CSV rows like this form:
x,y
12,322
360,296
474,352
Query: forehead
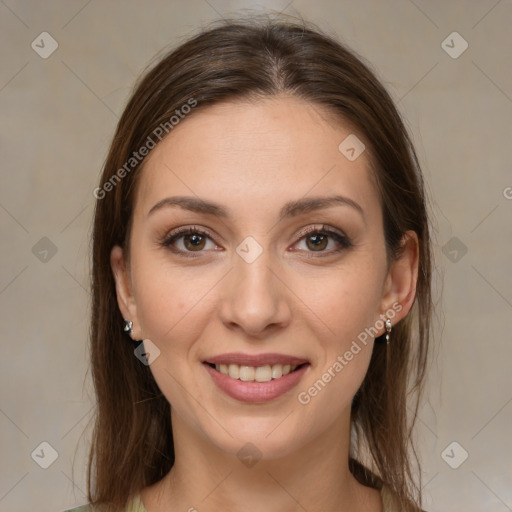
x,y
243,153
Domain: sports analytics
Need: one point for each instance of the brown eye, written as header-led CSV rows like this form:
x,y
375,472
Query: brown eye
x,y
189,240
317,242
194,242
324,241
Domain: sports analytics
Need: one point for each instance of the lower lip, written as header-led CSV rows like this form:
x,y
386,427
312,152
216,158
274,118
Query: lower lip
x,y
256,391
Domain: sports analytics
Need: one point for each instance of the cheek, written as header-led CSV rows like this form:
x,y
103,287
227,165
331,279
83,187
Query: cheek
x,y
344,349
170,300
341,307
343,301
174,306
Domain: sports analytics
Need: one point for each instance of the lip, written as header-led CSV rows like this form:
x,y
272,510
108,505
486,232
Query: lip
x,y
256,392
255,359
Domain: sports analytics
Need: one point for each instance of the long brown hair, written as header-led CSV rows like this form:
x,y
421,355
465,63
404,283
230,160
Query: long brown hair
x,y
132,440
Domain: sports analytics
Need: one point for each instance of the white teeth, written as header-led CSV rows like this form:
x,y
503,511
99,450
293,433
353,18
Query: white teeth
x,y
247,373
263,374
255,373
234,371
277,371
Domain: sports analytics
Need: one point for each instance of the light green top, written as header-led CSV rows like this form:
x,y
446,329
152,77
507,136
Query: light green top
x,y
136,504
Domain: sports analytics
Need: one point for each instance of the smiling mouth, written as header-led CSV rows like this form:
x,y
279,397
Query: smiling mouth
x,y
265,373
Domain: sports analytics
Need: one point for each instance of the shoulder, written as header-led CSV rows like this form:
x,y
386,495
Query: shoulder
x,y
134,505
390,502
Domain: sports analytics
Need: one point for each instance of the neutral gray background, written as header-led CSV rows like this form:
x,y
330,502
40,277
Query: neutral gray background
x,y
58,115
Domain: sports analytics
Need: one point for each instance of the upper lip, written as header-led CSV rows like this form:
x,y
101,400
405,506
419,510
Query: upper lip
x,y
255,359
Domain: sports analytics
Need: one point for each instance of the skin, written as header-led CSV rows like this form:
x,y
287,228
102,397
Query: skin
x,y
251,158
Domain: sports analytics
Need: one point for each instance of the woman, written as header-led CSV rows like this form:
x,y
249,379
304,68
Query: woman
x,y
261,226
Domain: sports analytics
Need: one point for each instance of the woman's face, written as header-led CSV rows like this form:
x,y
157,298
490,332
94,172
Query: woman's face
x,y
258,246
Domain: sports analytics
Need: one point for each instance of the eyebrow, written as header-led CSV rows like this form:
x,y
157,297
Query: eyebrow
x,y
290,209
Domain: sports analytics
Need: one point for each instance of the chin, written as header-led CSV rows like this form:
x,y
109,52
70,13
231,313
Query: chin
x,y
268,438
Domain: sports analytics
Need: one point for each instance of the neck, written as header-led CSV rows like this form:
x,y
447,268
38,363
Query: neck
x,y
314,477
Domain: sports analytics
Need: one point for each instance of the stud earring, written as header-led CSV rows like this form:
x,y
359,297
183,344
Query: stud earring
x,y
388,330
128,326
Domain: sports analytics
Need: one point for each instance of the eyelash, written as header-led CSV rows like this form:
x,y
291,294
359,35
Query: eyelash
x,y
340,238
343,241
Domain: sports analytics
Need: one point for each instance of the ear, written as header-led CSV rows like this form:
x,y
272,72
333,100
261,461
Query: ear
x,y
400,283
125,298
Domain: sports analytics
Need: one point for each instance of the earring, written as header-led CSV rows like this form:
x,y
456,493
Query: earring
x,y
128,326
388,330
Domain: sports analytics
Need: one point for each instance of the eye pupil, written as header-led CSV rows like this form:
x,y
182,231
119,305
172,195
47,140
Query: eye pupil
x,y
194,242
317,242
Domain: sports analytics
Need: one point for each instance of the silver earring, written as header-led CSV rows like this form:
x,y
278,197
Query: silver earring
x,y
128,326
388,330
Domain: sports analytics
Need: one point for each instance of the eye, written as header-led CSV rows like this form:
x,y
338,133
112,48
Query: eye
x,y
323,240
189,240
319,239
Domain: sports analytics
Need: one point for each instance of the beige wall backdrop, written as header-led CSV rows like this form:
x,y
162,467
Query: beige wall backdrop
x,y
67,70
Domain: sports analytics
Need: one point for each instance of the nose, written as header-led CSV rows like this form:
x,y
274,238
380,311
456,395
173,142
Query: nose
x,y
254,300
